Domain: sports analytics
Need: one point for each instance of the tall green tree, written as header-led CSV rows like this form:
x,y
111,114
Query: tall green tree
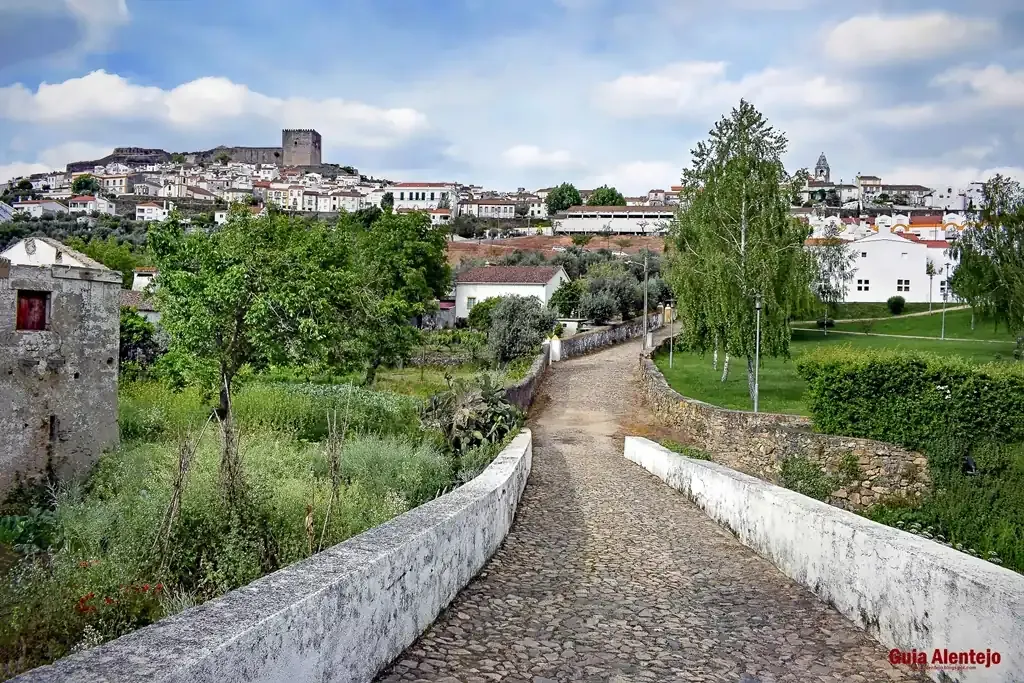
x,y
562,197
387,202
255,291
606,196
85,184
734,243
990,255
114,254
402,270
834,261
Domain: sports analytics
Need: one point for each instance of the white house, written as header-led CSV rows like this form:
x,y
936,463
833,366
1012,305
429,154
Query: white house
x,y
489,208
88,203
44,251
149,211
890,264
116,184
631,220
424,195
37,208
478,284
440,217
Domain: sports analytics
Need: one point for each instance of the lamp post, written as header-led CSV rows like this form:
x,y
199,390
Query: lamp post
x,y
643,229
671,331
757,351
945,295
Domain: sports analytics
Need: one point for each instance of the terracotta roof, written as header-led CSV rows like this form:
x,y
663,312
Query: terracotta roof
x,y
933,219
146,269
83,198
140,301
199,190
149,204
261,183
905,188
524,275
869,177
442,211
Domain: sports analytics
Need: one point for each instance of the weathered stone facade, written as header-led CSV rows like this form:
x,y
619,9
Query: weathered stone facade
x,y
757,443
58,386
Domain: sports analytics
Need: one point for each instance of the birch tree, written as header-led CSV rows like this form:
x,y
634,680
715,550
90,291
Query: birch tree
x,y
834,260
735,243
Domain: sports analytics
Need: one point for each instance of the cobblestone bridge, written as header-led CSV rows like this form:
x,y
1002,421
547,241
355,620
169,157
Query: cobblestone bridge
x,y
609,575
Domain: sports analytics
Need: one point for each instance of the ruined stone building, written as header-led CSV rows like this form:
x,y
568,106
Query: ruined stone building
x,y
301,147
59,336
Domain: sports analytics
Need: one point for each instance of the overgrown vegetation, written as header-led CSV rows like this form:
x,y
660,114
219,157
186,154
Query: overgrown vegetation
x,y
965,418
687,450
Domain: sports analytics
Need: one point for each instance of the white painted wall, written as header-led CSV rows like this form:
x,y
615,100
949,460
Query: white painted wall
x,y
42,254
341,615
907,592
484,291
889,259
619,224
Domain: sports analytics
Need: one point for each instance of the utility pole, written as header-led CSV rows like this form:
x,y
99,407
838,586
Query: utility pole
x,y
671,330
645,299
945,295
757,352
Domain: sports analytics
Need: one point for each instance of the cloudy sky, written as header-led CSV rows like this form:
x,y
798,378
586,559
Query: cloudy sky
x,y
511,93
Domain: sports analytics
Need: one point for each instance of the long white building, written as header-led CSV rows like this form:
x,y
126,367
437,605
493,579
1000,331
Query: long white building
x,y
628,220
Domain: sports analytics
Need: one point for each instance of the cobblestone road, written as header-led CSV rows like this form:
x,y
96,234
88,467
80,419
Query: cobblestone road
x,y
609,575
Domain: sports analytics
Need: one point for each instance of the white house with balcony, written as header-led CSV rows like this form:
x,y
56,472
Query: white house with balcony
x,y
151,211
628,220
424,196
88,204
479,284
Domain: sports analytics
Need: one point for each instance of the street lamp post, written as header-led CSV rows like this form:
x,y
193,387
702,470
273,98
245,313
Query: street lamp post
x,y
757,352
945,296
671,331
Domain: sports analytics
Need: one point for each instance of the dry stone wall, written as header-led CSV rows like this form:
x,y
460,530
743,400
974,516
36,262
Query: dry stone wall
x,y
594,340
758,443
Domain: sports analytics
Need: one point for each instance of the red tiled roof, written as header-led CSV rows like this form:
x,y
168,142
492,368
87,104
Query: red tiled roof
x,y
622,209
524,275
149,204
146,269
933,219
442,211
140,301
83,198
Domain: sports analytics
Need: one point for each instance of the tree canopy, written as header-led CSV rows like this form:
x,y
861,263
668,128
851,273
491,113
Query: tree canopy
x,y
562,197
734,243
990,252
606,196
85,184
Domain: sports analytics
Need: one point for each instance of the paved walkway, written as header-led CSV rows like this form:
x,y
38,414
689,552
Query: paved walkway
x,y
609,575
909,336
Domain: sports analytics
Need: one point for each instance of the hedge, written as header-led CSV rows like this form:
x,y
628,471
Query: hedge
x,y
911,398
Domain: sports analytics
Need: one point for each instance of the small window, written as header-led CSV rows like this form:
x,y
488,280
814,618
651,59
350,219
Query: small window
x,y
33,311
903,255
902,285
401,195
470,303
863,285
431,196
863,254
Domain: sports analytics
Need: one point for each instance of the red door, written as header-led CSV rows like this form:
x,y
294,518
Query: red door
x,y
32,310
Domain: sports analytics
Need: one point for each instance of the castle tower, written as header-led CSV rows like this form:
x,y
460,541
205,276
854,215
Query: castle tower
x,y
821,170
301,147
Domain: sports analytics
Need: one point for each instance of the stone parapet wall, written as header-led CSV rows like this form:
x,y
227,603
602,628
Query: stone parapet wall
x,y
594,340
907,592
757,443
521,393
341,615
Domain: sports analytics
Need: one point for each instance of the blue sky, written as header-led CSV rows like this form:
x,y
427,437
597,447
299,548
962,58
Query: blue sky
x,y
519,93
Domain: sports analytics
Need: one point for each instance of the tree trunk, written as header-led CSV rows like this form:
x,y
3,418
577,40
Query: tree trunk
x,y
371,373
750,378
714,357
230,461
725,368
972,318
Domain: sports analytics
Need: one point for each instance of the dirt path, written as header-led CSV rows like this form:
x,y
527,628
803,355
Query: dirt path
x,y
609,575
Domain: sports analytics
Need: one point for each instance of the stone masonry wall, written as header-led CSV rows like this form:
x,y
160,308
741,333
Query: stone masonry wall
x,y
522,392
58,387
757,443
588,342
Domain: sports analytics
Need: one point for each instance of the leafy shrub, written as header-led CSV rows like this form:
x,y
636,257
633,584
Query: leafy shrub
x,y
469,416
805,476
518,325
599,307
896,304
615,279
908,398
566,299
826,322
480,315
688,451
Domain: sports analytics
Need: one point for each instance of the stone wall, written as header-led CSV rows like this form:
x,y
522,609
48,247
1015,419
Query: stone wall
x,y
522,392
907,592
58,387
757,443
341,615
595,340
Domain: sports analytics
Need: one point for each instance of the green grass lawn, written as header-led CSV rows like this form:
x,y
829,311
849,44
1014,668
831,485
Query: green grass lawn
x,y
872,310
781,389
958,325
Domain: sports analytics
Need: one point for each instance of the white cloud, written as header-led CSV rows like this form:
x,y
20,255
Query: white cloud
x,y
54,159
635,178
936,175
531,156
702,89
992,86
879,39
204,102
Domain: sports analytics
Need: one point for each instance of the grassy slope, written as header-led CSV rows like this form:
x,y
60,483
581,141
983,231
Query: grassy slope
x,y
873,310
958,325
781,389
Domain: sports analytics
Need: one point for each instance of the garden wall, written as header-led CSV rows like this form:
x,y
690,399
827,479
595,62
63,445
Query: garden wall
x,y
522,392
906,591
341,615
594,340
757,443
